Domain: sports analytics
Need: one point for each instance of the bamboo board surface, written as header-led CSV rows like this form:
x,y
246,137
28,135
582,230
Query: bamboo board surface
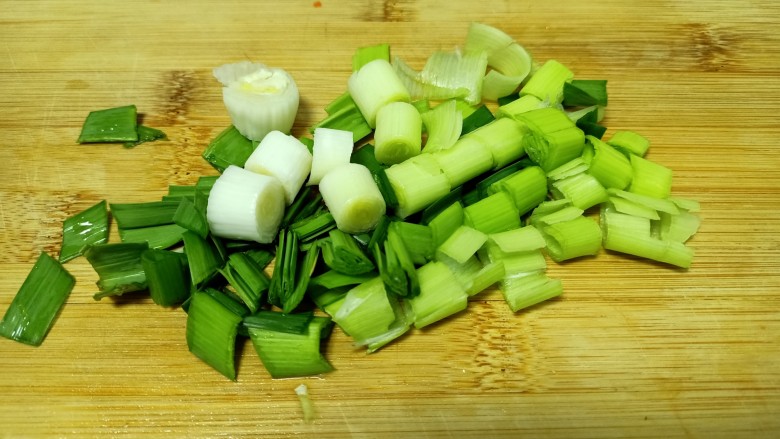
x,y
632,349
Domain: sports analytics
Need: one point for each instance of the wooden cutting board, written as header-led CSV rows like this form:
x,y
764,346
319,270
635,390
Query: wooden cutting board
x,y
632,349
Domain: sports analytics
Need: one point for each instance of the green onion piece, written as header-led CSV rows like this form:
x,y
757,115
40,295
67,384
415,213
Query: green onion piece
x,y
287,355
226,299
659,204
510,66
549,207
678,228
119,268
353,198
421,88
398,132
191,218
369,97
366,311
583,189
441,295
305,204
629,142
330,149
83,229
347,118
568,169
547,82
523,104
364,55
311,228
521,239
177,192
445,223
496,213
489,275
203,257
478,118
504,137
279,322
342,253
517,262
166,275
366,156
587,120
135,215
462,244
35,306
585,92
565,213
333,279
467,159
487,38
482,187
247,277
417,183
685,204
110,125
395,266
572,239
553,140
230,147
284,274
504,100
343,101
527,188
610,167
631,235
417,239
145,134
443,124
163,236
523,291
211,333
455,70
379,234
632,208
650,178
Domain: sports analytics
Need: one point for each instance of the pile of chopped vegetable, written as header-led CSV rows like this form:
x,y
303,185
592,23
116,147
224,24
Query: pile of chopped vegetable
x,y
407,199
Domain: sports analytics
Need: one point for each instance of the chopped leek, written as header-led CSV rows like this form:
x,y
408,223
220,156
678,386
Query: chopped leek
x,y
286,354
353,198
527,188
441,295
247,277
110,125
417,239
650,178
119,267
574,238
629,142
83,229
583,189
34,308
528,289
547,82
362,86
366,54
444,125
312,227
521,239
332,148
417,183
366,156
211,333
631,235
610,167
445,223
164,236
344,114
496,213
462,244
191,218
479,117
553,140
395,265
203,257
398,133
465,160
258,99
135,215
504,137
166,275
230,147
582,93
343,254
520,105
284,157
454,70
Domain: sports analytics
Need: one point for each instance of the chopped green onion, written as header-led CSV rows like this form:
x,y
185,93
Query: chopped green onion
x,y
445,223
678,228
417,239
366,156
164,236
571,239
135,215
369,97
35,306
119,268
258,99
279,322
247,277
444,124
523,104
306,203
441,295
478,118
332,148
504,137
110,125
685,204
353,198
523,291
395,265
203,257
521,239
659,204
650,178
292,272
582,93
631,235
366,54
566,212
583,189
496,213
366,311
547,82
454,70
83,229
417,183
629,142
629,207
343,114
465,160
554,139
398,132
314,226
211,333
286,354
342,253
145,134
527,188
610,167
166,276
245,205
191,218
421,88
284,157
461,245
229,148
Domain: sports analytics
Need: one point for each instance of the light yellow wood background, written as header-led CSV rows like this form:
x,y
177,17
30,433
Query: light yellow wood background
x,y
633,349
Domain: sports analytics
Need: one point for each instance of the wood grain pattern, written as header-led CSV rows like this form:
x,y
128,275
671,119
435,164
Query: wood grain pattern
x,y
633,349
